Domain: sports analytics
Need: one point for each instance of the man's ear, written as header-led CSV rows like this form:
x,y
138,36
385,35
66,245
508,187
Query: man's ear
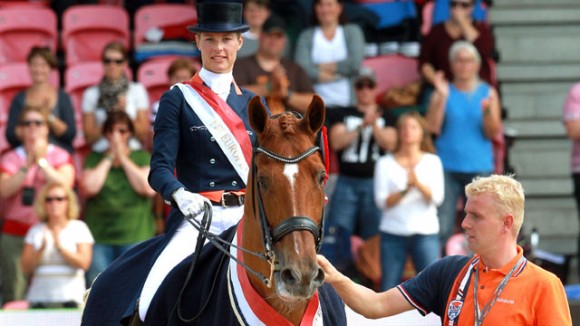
x,y
508,222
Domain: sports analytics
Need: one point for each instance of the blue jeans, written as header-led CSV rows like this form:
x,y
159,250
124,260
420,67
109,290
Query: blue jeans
x,y
352,211
103,256
454,189
424,250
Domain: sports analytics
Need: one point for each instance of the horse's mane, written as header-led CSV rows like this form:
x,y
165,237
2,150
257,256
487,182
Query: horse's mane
x,y
288,123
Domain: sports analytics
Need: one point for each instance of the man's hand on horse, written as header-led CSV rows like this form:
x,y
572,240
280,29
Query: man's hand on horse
x,y
189,203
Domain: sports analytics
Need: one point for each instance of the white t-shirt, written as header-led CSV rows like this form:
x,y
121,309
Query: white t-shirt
x,y
54,280
136,99
335,93
412,215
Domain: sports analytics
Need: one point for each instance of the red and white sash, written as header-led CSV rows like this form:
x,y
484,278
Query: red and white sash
x,y
250,308
222,122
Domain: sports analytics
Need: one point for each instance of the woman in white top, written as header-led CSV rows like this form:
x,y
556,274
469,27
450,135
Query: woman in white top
x,y
331,52
408,189
115,92
57,251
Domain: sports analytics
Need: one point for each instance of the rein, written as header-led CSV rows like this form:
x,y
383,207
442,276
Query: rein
x,y
269,235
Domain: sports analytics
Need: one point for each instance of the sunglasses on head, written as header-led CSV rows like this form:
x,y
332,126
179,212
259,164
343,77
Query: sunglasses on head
x,y
56,198
108,61
465,5
29,123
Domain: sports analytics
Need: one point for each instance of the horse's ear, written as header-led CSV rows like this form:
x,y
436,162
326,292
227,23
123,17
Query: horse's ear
x,y
257,114
315,114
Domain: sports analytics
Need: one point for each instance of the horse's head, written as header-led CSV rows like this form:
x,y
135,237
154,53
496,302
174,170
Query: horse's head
x,y
286,192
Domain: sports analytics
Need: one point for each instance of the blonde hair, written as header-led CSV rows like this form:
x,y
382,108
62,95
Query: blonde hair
x,y
508,194
73,203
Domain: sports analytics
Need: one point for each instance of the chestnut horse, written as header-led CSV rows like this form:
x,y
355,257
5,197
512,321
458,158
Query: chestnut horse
x,y
269,274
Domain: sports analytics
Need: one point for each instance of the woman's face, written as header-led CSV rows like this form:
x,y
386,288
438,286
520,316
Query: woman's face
x,y
219,50
34,126
56,203
328,12
39,70
410,131
464,66
120,130
115,64
255,15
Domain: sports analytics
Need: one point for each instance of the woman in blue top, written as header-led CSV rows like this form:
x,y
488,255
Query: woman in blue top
x,y
464,115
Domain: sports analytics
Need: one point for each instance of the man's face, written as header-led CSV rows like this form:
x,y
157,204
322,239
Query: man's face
x,y
482,223
272,44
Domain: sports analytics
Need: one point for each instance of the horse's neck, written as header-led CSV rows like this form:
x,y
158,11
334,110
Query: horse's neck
x,y
252,240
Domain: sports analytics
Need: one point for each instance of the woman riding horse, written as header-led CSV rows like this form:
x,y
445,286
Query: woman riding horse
x,y
276,280
270,276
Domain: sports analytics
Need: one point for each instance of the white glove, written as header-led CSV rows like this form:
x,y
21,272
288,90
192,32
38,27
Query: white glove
x,y
189,203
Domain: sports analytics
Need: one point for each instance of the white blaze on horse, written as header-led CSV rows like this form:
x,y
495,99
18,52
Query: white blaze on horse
x,y
269,275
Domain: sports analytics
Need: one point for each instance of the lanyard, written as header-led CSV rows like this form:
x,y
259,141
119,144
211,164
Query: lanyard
x,y
480,315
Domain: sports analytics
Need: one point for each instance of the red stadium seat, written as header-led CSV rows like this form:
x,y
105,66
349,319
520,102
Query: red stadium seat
x,y
393,71
162,16
21,28
153,75
427,16
15,77
86,30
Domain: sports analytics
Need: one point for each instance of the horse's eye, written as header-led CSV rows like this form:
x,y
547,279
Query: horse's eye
x,y
321,177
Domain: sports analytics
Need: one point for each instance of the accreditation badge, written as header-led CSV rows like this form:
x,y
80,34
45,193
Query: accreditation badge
x,y
454,309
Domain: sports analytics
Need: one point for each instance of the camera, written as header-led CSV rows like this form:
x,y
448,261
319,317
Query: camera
x,y
27,196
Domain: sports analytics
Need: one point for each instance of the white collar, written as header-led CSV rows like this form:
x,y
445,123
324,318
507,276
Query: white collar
x,y
219,83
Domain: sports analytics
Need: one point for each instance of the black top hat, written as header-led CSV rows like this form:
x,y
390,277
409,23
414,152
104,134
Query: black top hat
x,y
219,17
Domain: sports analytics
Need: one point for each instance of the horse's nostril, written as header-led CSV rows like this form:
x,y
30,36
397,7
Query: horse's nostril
x,y
289,276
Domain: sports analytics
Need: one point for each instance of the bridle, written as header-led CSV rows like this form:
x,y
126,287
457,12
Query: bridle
x,y
293,223
270,235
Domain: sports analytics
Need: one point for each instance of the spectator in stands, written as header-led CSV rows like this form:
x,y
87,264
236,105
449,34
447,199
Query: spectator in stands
x,y
331,52
115,92
408,189
57,251
464,115
255,13
119,208
180,70
572,123
360,135
460,26
23,171
281,81
56,102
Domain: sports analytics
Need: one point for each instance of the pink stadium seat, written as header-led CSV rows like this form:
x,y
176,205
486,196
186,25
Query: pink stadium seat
x,y
86,30
427,16
393,71
14,77
161,15
153,75
76,79
21,28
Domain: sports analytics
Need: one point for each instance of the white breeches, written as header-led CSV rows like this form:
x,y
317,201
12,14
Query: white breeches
x,y
181,245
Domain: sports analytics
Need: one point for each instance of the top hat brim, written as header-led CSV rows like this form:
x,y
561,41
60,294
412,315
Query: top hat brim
x,y
218,28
